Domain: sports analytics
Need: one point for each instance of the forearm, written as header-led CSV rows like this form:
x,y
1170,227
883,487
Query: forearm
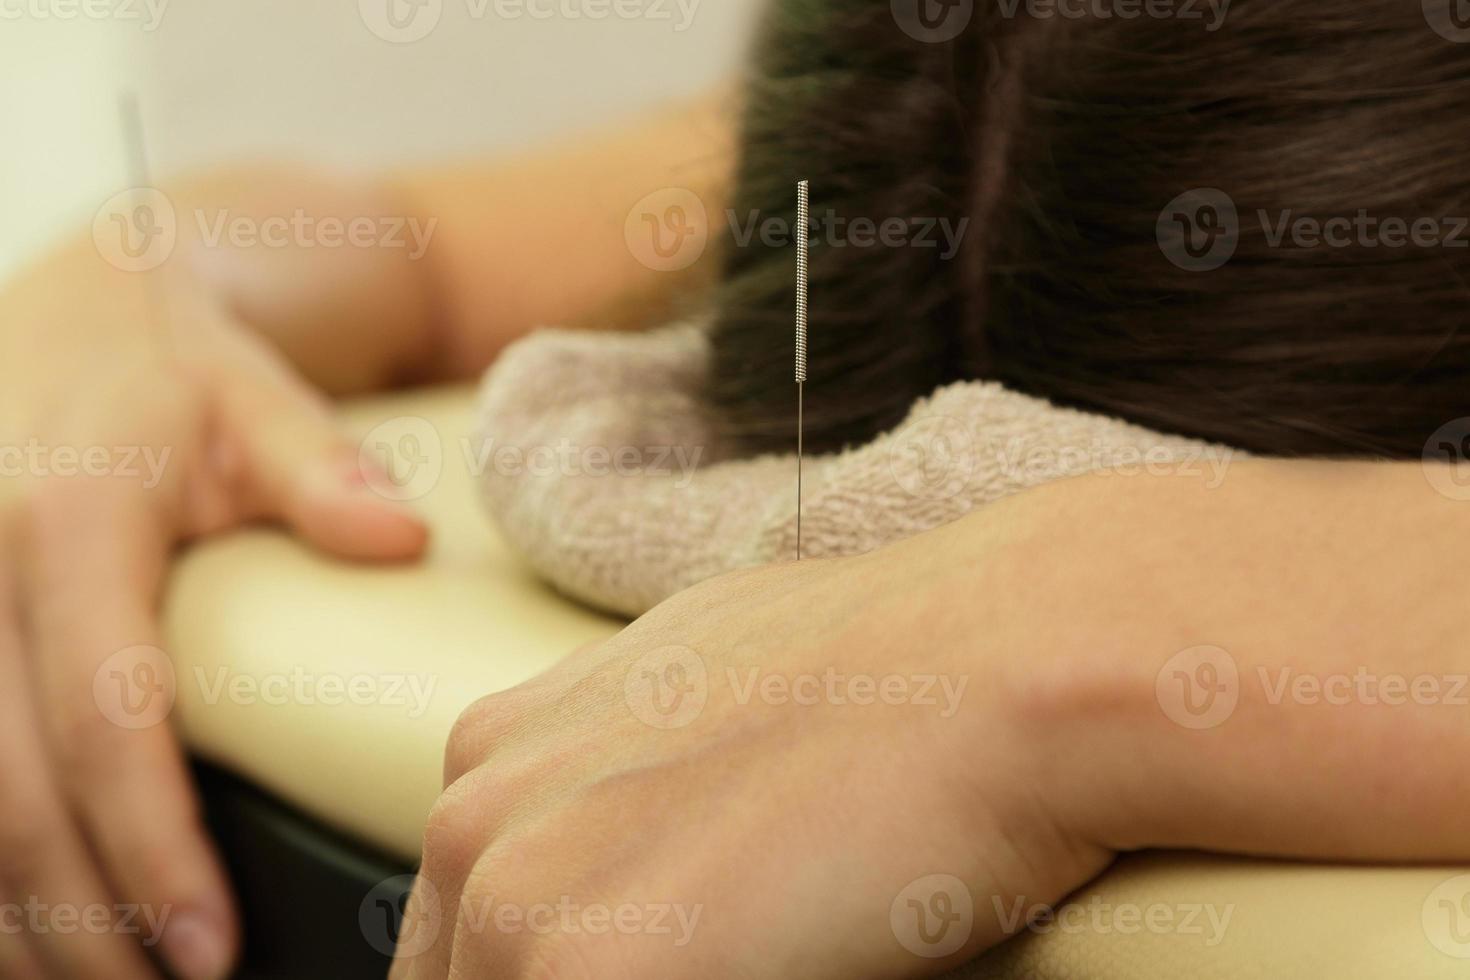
x,y
352,316
370,283
543,240
481,254
1333,591
262,248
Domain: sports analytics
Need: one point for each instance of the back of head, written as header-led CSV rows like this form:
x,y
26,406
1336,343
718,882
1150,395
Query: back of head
x,y
1240,221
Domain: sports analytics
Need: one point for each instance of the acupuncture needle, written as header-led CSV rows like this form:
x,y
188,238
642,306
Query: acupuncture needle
x,y
803,212
140,176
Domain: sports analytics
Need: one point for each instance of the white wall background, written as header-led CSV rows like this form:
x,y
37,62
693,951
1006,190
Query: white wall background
x,y
296,79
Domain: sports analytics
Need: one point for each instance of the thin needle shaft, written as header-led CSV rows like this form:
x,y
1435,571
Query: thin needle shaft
x,y
803,221
136,144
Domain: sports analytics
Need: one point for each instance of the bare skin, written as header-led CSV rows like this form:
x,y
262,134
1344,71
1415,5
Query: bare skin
x,y
803,821
235,385
228,394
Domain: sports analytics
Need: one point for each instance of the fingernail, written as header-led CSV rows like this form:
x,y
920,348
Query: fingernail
x,y
195,947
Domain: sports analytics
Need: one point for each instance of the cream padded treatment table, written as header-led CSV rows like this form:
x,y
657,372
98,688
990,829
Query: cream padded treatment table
x,y
472,620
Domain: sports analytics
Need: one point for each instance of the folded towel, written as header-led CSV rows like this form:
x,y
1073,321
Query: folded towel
x,y
603,470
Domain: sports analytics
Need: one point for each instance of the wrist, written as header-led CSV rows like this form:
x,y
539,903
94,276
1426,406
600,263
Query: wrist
x,y
1049,592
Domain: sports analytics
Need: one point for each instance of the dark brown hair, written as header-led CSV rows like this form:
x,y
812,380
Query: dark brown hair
x,y
1062,141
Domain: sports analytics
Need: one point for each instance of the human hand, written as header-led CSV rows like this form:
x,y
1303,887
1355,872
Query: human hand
x,y
815,769
119,441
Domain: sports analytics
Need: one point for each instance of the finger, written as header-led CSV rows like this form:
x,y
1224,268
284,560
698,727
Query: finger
x,y
18,961
58,917
299,468
459,827
489,720
98,559
423,929
480,797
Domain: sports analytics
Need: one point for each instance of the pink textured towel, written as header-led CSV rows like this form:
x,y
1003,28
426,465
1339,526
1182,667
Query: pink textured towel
x,y
603,471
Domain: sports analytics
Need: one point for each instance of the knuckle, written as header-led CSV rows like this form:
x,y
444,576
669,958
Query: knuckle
x,y
476,731
454,830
